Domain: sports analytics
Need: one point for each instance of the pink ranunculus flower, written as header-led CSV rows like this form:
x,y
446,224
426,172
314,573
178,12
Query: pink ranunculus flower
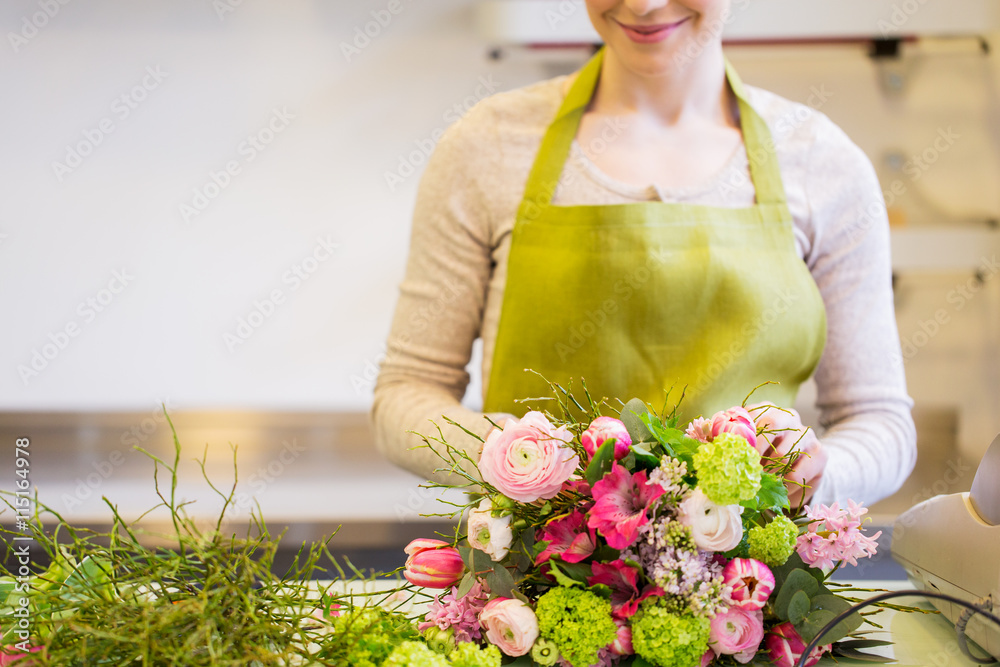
x,y
569,538
510,625
529,459
713,527
432,563
603,428
737,632
751,581
622,502
785,646
736,421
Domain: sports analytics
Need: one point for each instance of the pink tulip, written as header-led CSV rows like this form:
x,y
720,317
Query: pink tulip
x,y
752,583
432,564
737,632
622,645
736,421
785,646
600,430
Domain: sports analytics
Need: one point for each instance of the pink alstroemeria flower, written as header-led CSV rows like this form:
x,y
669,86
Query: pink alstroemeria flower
x,y
736,421
752,583
568,538
623,580
622,503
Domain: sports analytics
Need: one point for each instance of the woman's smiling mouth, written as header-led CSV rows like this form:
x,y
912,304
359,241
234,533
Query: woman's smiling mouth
x,y
648,34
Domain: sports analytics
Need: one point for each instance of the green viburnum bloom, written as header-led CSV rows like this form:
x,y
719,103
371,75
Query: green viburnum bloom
x,y
409,654
545,652
728,469
469,654
370,634
667,639
577,621
774,543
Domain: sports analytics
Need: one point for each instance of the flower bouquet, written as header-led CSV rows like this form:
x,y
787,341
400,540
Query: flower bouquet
x,y
638,540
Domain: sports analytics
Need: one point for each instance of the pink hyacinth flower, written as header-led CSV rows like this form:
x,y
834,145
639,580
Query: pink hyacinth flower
x,y
461,614
736,421
751,581
569,538
432,564
623,580
835,535
622,502
600,430
784,647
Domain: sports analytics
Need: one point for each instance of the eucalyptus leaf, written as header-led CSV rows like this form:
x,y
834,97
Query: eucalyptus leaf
x,y
797,580
813,623
500,581
631,416
834,606
468,581
466,554
798,607
481,562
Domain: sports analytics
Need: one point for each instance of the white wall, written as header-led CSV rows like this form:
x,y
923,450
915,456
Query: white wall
x,y
355,117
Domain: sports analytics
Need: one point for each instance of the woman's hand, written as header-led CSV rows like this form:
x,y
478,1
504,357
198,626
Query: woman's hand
x,y
785,429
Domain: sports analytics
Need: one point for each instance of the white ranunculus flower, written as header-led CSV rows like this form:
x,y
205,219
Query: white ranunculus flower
x,y
488,533
714,527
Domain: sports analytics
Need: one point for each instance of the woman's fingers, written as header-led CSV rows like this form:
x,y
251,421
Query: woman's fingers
x,y
807,473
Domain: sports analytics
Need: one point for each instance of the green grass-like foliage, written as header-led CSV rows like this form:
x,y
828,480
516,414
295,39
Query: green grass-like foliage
x,y
212,599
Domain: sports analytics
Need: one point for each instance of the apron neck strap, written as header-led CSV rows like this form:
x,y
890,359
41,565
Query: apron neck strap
x,y
558,139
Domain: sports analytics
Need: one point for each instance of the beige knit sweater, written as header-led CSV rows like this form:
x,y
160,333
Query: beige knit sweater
x,y
454,284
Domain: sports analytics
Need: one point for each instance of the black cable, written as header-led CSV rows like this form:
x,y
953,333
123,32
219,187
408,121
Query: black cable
x,y
898,594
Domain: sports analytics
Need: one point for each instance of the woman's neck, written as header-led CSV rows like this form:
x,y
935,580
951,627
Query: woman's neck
x,y
695,92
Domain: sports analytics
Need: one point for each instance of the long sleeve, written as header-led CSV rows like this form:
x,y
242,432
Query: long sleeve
x,y
864,406
440,308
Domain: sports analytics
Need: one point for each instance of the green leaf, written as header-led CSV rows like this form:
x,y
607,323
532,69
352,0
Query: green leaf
x,y
520,553
500,581
854,654
638,661
481,563
793,563
631,416
773,494
836,606
798,607
797,580
518,595
813,623
862,643
466,554
644,458
468,581
599,466
560,576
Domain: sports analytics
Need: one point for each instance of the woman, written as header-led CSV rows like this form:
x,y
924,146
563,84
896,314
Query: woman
x,y
651,222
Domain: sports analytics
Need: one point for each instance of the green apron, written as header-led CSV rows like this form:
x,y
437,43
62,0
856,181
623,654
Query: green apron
x,y
638,298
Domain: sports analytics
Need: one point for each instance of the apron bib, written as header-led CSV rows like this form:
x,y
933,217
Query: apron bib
x,y
638,298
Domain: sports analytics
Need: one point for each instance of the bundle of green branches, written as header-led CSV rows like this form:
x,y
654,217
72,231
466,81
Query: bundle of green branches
x,y
213,599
